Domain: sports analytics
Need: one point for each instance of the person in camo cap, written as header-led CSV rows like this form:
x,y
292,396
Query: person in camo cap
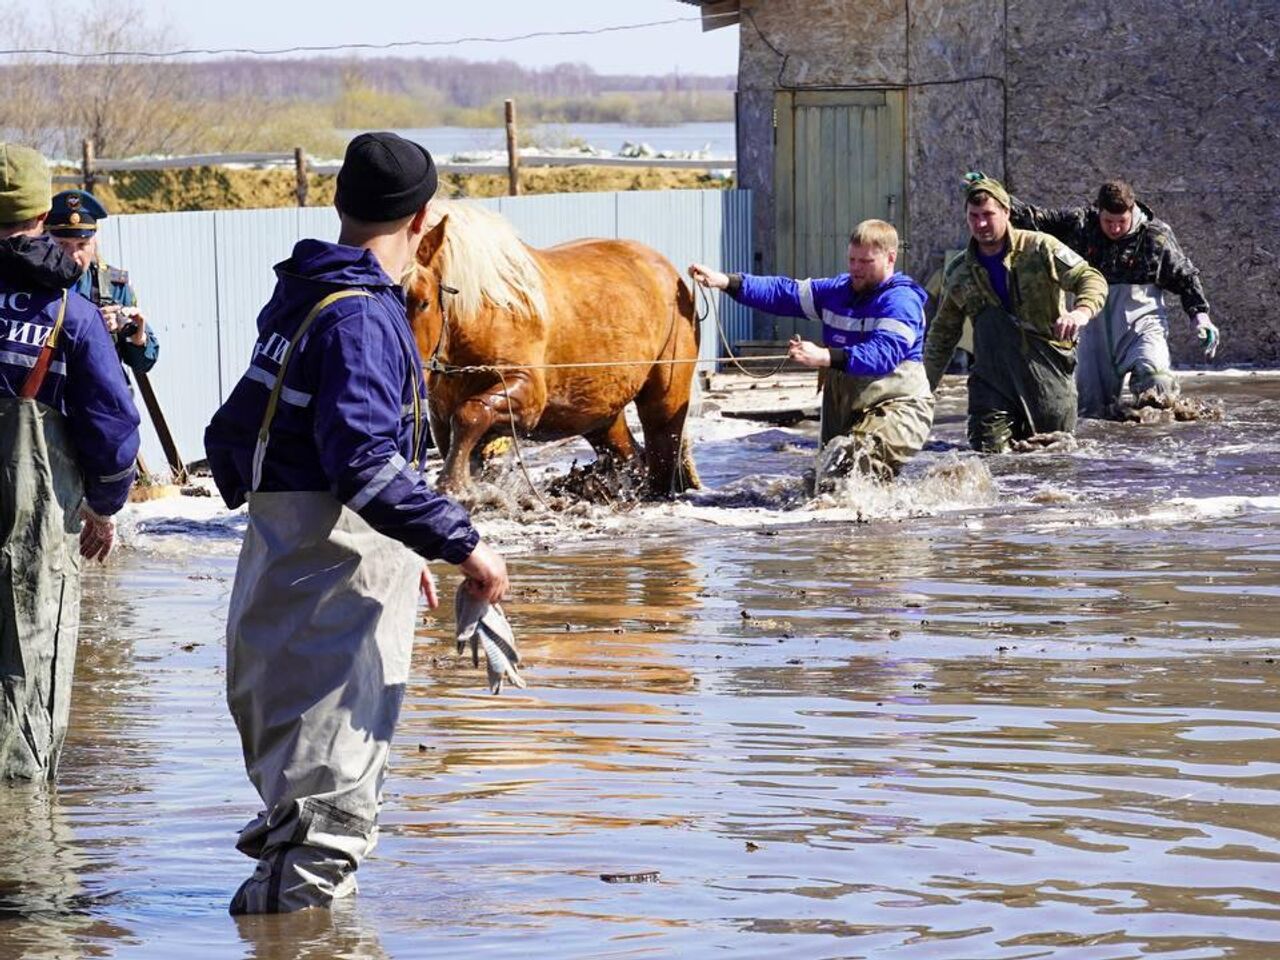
x,y
1010,284
68,438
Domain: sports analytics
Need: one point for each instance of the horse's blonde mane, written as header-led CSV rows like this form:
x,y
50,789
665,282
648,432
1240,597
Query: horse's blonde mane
x,y
483,259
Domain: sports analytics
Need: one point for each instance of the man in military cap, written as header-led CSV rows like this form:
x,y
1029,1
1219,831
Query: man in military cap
x,y
1140,258
1009,284
323,437
68,438
73,222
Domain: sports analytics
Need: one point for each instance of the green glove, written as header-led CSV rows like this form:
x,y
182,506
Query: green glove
x,y
1207,334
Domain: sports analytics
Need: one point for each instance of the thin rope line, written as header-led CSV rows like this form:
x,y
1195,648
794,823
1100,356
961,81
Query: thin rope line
x,y
782,358
515,437
448,368
328,48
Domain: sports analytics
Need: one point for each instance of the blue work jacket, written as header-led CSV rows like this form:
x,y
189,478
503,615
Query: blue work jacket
x,y
352,408
876,330
84,382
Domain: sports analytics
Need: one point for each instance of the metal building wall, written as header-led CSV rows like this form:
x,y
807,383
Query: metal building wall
x,y
202,278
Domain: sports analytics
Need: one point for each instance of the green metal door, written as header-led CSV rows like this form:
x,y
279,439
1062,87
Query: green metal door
x,y
839,159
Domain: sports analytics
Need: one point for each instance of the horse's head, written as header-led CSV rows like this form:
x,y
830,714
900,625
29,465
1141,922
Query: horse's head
x,y
474,280
424,291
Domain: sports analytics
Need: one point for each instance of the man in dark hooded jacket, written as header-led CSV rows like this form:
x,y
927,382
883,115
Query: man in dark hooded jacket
x,y
68,439
324,436
1140,259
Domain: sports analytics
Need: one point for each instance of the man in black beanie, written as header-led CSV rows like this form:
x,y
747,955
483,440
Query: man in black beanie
x,y
324,437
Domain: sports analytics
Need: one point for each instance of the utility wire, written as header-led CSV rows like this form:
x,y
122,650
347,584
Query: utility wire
x,y
333,48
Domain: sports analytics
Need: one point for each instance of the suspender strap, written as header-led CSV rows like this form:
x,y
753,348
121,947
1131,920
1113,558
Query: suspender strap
x,y
35,379
264,432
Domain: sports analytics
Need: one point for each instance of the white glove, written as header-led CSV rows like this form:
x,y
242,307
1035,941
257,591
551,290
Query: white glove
x,y
97,536
1208,335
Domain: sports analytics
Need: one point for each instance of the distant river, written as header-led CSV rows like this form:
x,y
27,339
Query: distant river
x,y
717,137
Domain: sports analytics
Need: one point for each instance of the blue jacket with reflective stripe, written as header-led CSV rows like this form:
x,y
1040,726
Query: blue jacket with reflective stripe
x,y
85,382
878,329
345,419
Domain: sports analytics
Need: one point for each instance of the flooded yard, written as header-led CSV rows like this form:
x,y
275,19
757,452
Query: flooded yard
x,y
1013,707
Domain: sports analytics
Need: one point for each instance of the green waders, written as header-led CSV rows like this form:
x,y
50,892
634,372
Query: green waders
x,y
1021,384
40,494
889,418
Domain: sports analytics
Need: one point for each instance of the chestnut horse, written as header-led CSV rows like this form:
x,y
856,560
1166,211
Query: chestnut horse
x,y
478,296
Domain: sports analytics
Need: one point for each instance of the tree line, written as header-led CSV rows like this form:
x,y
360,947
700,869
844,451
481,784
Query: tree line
x,y
133,106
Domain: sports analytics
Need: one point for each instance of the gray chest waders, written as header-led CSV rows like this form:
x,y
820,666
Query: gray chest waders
x,y
319,636
1128,337
889,417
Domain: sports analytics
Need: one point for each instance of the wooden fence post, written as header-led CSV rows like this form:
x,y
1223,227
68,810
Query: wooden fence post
x,y
300,170
513,154
86,164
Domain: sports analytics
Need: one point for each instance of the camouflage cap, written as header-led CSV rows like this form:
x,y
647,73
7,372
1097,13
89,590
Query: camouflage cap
x,y
25,185
978,182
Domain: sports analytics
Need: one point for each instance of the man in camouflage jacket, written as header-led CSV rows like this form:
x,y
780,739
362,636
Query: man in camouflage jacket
x,y
1010,285
1140,258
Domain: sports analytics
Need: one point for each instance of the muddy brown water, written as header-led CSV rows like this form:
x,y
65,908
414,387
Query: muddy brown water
x,y
1037,719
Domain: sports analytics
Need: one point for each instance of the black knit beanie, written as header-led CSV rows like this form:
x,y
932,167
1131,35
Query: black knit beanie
x,y
384,177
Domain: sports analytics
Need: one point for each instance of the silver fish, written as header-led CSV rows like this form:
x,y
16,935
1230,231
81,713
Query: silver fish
x,y
484,625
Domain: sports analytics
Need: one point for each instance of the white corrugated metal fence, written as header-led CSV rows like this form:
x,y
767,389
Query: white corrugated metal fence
x,y
201,278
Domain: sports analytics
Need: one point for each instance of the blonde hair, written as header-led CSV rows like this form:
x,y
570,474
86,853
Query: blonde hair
x,y
484,259
877,234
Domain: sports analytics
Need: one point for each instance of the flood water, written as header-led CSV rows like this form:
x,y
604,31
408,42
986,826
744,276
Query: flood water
x,y
1014,707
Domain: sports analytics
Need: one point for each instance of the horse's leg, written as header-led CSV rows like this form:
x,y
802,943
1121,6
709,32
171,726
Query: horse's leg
x,y
663,405
688,476
439,433
521,400
614,441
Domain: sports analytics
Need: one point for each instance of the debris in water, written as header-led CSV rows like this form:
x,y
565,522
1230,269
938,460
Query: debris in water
x,y
646,876
1056,442
605,480
1151,407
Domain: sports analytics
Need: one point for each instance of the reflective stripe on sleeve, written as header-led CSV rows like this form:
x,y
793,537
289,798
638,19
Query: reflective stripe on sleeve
x,y
24,360
380,481
294,397
890,325
116,477
806,300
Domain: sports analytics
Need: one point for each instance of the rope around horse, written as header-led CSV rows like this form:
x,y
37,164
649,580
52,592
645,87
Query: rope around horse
x,y
436,365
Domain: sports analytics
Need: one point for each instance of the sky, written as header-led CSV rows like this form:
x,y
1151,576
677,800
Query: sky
x,y
681,47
